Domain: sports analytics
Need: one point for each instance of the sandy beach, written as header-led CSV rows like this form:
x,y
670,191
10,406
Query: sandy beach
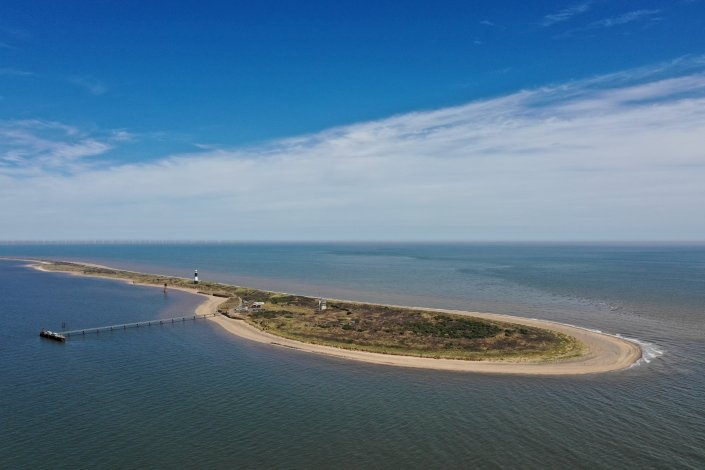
x,y
605,353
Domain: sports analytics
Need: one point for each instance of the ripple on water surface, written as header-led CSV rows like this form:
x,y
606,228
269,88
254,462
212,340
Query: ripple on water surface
x,y
191,395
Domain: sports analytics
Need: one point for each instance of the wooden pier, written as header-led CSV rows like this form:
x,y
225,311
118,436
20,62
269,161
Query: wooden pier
x,y
139,324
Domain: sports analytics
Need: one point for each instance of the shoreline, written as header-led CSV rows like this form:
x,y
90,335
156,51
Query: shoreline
x,y
605,353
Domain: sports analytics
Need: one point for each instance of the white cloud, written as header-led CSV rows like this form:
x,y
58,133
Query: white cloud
x,y
566,14
34,146
10,71
629,17
121,135
605,158
91,85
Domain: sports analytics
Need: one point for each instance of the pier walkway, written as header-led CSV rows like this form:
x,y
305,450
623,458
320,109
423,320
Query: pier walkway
x,y
139,324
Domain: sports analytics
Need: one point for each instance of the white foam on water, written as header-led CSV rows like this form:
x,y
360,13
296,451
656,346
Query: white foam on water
x,y
649,351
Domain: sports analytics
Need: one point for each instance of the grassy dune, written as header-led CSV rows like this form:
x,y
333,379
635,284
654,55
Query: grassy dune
x,y
369,327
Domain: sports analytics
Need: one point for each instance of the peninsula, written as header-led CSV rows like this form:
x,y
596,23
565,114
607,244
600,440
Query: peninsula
x,y
393,335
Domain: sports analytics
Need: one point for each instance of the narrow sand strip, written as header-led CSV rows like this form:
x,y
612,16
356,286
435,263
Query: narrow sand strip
x,y
606,353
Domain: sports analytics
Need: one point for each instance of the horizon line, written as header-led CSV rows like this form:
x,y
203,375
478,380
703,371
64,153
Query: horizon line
x,y
313,241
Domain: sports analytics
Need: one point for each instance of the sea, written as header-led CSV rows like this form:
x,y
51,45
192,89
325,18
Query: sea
x,y
190,395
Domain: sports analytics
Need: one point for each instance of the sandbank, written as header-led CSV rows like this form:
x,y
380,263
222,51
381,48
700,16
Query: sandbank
x,y
604,352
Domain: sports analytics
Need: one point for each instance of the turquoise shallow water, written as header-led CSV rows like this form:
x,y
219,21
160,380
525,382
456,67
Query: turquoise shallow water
x,y
191,395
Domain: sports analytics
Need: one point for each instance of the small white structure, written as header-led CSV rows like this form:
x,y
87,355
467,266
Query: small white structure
x,y
195,277
322,304
257,305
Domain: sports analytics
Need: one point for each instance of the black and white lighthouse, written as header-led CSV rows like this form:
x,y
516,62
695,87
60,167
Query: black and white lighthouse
x,y
195,277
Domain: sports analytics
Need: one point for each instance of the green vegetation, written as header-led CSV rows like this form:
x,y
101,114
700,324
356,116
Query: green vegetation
x,y
369,327
454,327
395,330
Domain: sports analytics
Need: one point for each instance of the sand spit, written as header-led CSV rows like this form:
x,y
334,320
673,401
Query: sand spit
x,y
605,353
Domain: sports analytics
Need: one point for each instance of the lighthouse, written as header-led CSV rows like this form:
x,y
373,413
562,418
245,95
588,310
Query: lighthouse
x,y
195,277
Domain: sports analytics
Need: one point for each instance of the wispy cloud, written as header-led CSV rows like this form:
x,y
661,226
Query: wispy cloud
x,y
10,71
630,17
9,37
487,23
121,135
15,33
91,85
611,22
618,156
35,146
566,14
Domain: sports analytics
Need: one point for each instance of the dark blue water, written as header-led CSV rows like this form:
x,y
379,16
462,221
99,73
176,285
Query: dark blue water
x,y
190,395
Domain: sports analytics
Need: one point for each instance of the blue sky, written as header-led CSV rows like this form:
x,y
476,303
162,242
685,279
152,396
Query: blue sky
x,y
494,120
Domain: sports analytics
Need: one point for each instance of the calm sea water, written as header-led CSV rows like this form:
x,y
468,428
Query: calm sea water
x,y
192,396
